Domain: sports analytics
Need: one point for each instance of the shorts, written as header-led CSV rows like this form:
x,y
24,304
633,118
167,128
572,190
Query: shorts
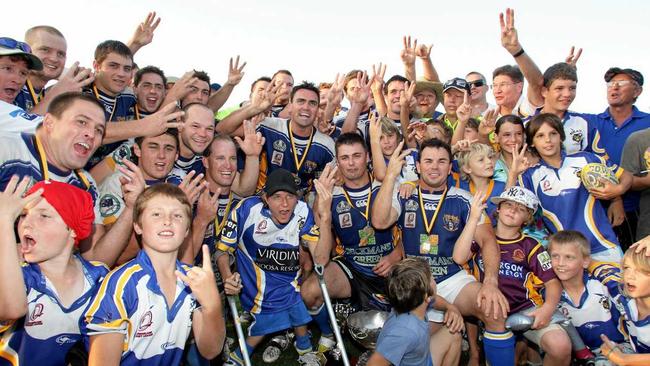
x,y
614,255
449,290
368,293
267,323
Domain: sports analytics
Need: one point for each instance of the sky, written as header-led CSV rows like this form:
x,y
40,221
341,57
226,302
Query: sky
x,y
317,40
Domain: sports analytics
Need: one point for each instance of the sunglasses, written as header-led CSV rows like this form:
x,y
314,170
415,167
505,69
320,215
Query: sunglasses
x,y
477,83
11,43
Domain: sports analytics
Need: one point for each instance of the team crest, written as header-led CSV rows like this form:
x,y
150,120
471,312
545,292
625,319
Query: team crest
x,y
546,186
261,227
576,136
450,222
145,323
277,157
122,152
34,316
345,220
409,220
310,166
109,205
604,302
411,205
279,145
518,255
342,207
544,260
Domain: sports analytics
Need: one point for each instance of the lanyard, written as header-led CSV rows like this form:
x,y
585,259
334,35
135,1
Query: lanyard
x,y
347,198
45,172
472,189
428,226
294,151
35,96
218,226
114,102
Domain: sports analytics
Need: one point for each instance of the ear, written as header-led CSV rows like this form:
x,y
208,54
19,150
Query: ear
x,y
465,168
586,261
96,65
638,91
204,160
48,121
544,91
137,151
417,167
137,228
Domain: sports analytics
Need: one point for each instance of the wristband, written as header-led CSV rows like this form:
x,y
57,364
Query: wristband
x,y
518,53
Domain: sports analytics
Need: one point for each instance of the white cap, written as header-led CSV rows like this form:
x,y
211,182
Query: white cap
x,y
519,195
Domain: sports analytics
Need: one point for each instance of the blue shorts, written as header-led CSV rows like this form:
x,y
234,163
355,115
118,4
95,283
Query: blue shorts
x,y
267,323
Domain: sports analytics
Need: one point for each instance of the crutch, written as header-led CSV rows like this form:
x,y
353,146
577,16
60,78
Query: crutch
x,y
240,331
318,268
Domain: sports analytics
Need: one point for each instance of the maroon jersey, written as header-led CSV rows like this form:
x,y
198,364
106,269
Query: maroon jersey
x,y
525,267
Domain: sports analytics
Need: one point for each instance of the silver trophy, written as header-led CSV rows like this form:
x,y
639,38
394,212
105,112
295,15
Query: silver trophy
x,y
365,326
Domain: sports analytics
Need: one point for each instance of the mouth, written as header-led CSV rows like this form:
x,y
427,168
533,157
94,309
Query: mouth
x,y
50,66
82,148
161,165
27,244
166,234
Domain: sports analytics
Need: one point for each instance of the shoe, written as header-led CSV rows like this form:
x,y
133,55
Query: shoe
x,y
275,347
233,360
325,344
312,358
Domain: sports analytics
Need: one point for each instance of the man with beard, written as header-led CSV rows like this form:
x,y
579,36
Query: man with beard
x,y
70,133
439,224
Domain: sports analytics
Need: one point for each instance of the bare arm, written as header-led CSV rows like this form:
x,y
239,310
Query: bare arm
x,y
408,57
383,214
378,163
359,99
423,52
462,249
143,34
152,125
324,185
235,74
463,113
377,88
252,145
406,100
105,349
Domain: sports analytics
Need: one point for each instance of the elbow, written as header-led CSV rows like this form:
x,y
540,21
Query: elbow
x,y
212,352
13,311
459,259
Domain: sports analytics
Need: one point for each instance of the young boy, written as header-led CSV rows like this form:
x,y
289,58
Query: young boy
x,y
42,303
404,337
145,309
590,291
525,268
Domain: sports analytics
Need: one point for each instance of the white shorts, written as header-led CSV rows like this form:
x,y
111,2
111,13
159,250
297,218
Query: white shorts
x,y
449,290
614,255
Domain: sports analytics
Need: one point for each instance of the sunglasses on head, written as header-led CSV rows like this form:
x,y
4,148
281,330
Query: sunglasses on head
x,y
477,83
11,43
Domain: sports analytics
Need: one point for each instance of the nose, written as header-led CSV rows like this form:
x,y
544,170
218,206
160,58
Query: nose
x,y
161,153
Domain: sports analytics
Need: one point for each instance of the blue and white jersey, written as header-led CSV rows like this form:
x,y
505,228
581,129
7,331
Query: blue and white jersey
x,y
14,120
27,99
20,155
596,312
446,220
130,302
304,157
182,167
580,134
116,109
226,205
49,330
566,204
363,246
637,329
363,122
495,189
268,256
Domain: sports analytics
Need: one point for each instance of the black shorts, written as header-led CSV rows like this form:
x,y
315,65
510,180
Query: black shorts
x,y
368,293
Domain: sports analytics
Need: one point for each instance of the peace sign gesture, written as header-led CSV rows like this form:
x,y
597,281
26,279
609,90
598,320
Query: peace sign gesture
x,y
202,282
519,160
143,34
397,161
464,111
573,58
408,52
509,38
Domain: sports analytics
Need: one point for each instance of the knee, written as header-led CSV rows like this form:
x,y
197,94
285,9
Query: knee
x,y
556,344
311,295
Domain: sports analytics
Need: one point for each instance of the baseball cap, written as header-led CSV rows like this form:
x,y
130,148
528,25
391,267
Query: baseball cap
x,y
433,86
280,180
11,47
519,195
456,83
635,75
215,86
172,79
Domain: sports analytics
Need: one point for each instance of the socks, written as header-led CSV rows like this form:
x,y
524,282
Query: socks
x,y
499,348
238,354
322,320
303,344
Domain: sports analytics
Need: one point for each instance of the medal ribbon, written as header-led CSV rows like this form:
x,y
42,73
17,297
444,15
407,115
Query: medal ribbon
x,y
45,172
36,97
472,189
218,226
347,198
294,151
428,226
114,102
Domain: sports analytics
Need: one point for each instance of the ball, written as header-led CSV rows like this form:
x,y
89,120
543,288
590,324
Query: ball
x,y
592,175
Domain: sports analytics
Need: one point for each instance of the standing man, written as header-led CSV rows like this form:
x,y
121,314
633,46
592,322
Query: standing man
x,y
439,223
620,120
478,93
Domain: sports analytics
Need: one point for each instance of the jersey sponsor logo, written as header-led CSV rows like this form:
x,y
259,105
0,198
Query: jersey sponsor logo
x,y
450,222
61,340
518,255
342,207
144,325
278,260
109,205
167,345
279,145
36,313
345,220
261,227
360,203
411,205
544,260
22,114
409,220
511,270
276,158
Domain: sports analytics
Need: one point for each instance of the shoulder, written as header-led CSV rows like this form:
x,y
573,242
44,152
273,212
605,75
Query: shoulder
x,y
459,193
324,140
274,123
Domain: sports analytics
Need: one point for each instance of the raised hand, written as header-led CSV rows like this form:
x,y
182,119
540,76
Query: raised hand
x,y
464,111
157,123
423,51
377,77
374,129
132,182
271,93
408,52
478,205
235,72
519,161
208,204
202,282
488,123
406,98
509,38
182,87
253,141
12,201
462,145
361,94
573,58
74,79
143,34
192,186
397,160
335,94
